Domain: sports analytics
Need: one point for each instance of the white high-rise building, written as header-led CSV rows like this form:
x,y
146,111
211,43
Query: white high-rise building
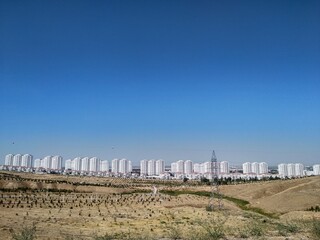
x,y
159,167
283,170
46,162
115,165
125,166
151,167
143,167
56,162
104,166
94,164
196,168
174,167
9,160
26,160
263,168
291,170
37,163
224,167
68,164
206,168
255,168
85,164
180,167
316,169
299,169
246,168
17,160
76,164
188,167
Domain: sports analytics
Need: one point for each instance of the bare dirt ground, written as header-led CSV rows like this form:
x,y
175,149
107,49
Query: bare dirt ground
x,y
84,207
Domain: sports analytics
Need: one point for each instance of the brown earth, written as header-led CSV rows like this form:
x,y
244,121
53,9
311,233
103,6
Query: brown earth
x,y
89,206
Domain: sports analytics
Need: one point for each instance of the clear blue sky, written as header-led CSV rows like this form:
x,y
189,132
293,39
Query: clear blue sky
x,y
161,79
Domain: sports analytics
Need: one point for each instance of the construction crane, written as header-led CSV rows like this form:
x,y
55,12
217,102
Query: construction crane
x,y
215,202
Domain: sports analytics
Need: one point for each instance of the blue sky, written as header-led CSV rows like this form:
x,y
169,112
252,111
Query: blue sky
x,y
161,79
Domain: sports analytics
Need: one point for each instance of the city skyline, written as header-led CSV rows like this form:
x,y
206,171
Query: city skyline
x,y
161,80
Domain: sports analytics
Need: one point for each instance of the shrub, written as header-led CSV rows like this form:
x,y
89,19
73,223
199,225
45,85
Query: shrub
x,y
27,233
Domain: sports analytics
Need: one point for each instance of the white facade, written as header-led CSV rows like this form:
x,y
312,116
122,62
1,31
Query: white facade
x,y
316,169
125,166
9,160
46,162
151,167
224,167
144,167
26,160
115,165
94,164
56,162
180,167
291,170
299,168
283,170
85,164
246,168
196,168
104,166
255,168
173,167
17,160
76,164
188,167
68,164
263,168
37,163
160,165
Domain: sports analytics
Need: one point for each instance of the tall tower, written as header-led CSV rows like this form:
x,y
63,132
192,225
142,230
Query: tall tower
x,y
215,202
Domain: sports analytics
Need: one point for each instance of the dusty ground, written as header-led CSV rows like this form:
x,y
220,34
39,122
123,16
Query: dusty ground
x,y
89,210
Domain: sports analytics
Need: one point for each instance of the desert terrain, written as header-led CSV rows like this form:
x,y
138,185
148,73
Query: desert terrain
x,y
69,207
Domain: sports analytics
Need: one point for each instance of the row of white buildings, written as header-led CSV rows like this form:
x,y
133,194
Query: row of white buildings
x,y
187,167
255,168
95,165
26,161
152,167
291,170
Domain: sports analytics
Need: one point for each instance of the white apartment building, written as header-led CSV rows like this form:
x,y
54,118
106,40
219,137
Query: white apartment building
x,y
196,168
316,169
8,160
125,166
68,164
104,166
299,168
151,167
255,168
94,164
115,165
263,168
46,162
37,163
174,167
246,168
56,163
160,166
283,170
188,167
224,167
144,167
76,164
16,162
85,164
291,170
26,160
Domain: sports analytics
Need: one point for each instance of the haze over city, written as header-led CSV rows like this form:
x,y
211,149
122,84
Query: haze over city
x,y
161,79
